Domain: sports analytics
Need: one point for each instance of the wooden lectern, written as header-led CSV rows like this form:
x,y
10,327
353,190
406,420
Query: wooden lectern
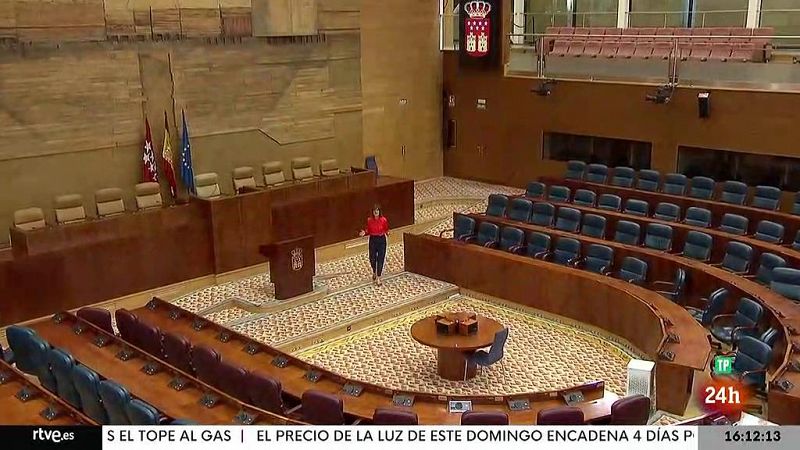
x,y
291,265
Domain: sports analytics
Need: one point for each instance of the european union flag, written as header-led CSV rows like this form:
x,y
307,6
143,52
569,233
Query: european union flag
x,y
187,172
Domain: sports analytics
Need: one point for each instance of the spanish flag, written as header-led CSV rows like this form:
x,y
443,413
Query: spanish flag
x,y
166,155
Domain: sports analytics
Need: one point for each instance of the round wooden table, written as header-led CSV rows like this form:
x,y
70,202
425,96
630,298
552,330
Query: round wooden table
x,y
453,349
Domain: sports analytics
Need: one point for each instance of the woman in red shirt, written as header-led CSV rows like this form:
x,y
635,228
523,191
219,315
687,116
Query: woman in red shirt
x,y
377,229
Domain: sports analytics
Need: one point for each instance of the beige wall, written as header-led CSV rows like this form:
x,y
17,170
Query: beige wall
x,y
401,61
72,116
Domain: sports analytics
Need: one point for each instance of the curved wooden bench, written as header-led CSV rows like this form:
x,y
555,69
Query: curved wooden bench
x,y
431,408
702,279
680,230
154,389
653,324
717,208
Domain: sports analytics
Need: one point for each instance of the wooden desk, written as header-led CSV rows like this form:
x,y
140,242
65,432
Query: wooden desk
x,y
101,259
326,208
717,208
154,389
631,312
702,279
14,411
453,349
431,408
85,263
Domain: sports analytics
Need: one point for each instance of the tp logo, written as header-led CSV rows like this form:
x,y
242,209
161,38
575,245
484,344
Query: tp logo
x,y
723,365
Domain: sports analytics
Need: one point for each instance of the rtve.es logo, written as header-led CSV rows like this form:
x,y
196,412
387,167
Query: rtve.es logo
x,y
54,436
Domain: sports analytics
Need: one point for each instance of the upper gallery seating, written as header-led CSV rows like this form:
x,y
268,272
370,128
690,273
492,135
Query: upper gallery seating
x,y
695,44
699,187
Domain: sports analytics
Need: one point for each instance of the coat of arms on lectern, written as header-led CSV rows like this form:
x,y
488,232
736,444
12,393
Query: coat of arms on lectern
x,y
476,27
297,258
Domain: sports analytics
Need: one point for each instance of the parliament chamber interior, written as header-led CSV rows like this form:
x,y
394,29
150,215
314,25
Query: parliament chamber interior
x,y
400,212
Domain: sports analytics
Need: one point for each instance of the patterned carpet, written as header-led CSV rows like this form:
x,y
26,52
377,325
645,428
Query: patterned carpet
x,y
344,306
387,355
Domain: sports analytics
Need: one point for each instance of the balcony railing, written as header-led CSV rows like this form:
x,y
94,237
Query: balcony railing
x,y
681,60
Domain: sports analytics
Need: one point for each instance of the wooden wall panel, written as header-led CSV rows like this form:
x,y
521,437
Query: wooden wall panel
x,y
8,20
510,129
66,103
60,20
401,61
284,90
284,17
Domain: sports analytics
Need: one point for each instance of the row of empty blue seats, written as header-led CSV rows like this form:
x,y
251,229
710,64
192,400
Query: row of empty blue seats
x,y
541,212
104,401
753,348
704,188
738,257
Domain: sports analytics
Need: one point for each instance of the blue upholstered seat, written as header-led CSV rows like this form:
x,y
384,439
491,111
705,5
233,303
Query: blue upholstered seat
x,y
766,197
609,202
697,217
520,209
596,173
697,245
543,214
115,400
768,262
575,170
702,188
733,192
637,207
674,184
62,364
734,224
594,226
669,212
737,258
769,231
648,180
497,205
786,281
538,244
627,232
535,189
658,237
568,219
599,258
141,413
585,197
623,176
512,239
714,305
87,384
633,270
729,327
559,194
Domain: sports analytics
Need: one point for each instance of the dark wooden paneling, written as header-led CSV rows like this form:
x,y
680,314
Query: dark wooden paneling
x,y
510,128
103,259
